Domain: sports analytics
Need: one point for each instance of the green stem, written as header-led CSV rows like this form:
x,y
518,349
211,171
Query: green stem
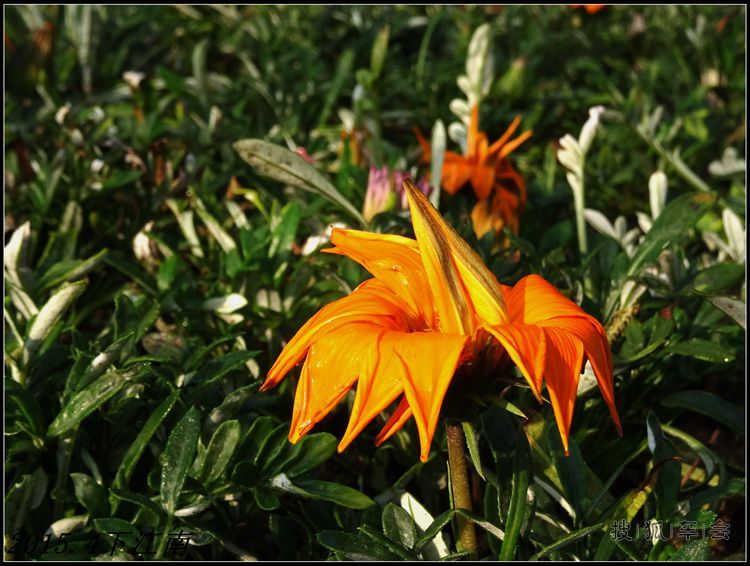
x,y
460,487
164,538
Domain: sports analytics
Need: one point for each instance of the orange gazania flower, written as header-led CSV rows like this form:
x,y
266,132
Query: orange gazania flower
x,y
590,8
499,187
431,306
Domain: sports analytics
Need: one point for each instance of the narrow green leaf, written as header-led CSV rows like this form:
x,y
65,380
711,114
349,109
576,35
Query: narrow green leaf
x,y
567,540
379,51
220,450
522,476
127,466
49,315
22,497
343,72
472,443
86,401
178,457
284,166
333,492
137,499
710,405
704,350
667,488
432,531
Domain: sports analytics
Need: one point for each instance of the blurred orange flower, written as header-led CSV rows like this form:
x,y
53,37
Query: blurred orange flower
x,y
499,187
431,306
590,8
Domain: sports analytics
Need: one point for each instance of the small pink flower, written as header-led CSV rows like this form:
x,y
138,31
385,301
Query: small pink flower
x,y
380,195
302,152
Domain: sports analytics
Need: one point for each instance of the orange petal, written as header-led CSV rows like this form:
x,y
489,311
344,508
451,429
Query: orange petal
x,y
394,261
395,422
510,146
533,300
457,171
527,347
506,136
461,284
484,219
333,364
594,339
426,149
380,382
482,180
562,369
370,301
430,360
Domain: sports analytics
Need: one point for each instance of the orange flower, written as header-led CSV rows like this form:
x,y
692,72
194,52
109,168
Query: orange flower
x,y
590,8
431,306
498,186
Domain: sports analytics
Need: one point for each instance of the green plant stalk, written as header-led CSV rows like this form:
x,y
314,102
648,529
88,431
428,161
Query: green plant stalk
x,y
674,160
67,443
583,245
164,538
460,487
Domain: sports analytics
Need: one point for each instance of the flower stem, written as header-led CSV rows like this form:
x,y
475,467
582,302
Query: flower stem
x,y
460,486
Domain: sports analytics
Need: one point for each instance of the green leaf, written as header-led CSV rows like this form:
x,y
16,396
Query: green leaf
x,y
710,405
333,492
704,350
718,279
379,51
693,551
667,488
354,547
571,470
136,499
343,72
399,526
217,368
677,218
22,497
432,531
566,540
86,401
27,406
178,457
522,476
91,495
49,315
123,531
473,444
127,466
220,450
286,167
68,270
308,453
266,499
733,487
285,230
